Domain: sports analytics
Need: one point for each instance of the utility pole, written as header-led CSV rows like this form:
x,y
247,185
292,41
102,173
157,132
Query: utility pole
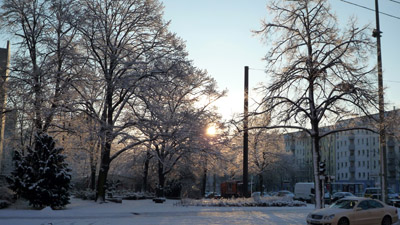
x,y
4,72
382,138
246,133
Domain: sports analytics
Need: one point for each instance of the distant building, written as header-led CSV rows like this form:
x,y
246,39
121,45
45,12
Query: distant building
x,y
350,156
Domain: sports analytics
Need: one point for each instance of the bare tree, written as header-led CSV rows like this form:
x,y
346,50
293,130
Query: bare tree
x,y
265,151
177,112
319,72
122,37
41,68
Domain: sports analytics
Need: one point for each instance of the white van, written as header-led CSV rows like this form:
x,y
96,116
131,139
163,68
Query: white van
x,y
302,191
306,192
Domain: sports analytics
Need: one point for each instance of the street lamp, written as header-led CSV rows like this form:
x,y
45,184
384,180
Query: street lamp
x,y
382,137
246,134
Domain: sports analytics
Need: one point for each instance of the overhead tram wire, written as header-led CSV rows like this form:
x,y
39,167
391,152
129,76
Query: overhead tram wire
x,y
257,69
390,81
398,2
364,7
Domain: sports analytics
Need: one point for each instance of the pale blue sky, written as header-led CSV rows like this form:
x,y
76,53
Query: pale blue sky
x,y
219,39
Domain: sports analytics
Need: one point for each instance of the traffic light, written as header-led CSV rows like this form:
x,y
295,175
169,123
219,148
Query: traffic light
x,y
322,167
376,33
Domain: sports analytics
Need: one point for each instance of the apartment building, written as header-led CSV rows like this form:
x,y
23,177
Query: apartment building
x,y
351,156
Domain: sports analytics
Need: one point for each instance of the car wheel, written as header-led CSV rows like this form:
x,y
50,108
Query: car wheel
x,y
343,221
387,220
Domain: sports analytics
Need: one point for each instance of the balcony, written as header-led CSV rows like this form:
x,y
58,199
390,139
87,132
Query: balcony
x,y
352,169
352,158
352,147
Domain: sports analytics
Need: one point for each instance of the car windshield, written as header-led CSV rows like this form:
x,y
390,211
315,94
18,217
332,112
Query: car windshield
x,y
344,204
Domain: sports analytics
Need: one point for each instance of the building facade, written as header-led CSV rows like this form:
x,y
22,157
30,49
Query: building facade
x,y
351,156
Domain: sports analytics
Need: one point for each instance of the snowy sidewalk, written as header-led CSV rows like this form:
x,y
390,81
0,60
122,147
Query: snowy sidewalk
x,y
147,212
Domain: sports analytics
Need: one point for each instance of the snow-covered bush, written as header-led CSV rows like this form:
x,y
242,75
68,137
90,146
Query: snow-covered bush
x,y
85,194
242,202
6,197
4,204
41,175
7,194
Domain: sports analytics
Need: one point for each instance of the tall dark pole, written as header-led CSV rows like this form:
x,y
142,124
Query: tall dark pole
x,y
246,133
382,138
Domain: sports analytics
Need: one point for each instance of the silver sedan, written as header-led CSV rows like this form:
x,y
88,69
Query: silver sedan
x,y
354,211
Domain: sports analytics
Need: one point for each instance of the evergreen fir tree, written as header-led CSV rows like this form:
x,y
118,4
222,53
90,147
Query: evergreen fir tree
x,y
42,176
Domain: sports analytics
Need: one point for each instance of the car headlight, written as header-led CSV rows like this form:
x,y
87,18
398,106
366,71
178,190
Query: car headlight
x,y
329,217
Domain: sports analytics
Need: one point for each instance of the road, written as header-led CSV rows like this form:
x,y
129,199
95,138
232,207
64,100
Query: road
x,y
146,212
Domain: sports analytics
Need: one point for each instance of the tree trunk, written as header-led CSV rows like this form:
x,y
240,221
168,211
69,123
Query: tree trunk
x,y
161,179
318,185
204,183
261,182
146,171
92,176
103,172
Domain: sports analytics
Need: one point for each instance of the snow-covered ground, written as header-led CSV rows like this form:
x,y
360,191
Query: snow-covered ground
x,y
147,212
81,212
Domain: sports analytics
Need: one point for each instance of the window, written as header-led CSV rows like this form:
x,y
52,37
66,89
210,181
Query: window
x,y
359,164
358,152
363,174
374,204
359,175
363,163
367,164
363,152
363,205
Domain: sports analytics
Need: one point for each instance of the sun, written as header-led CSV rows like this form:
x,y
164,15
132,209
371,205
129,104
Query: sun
x,y
211,130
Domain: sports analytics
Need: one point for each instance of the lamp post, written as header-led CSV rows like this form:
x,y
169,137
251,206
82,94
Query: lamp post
x,y
382,139
246,133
